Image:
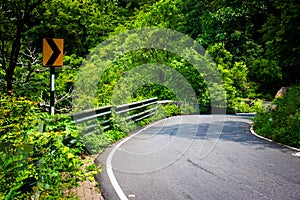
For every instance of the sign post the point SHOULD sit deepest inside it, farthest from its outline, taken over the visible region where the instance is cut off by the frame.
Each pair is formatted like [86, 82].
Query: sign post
[52, 89]
[52, 57]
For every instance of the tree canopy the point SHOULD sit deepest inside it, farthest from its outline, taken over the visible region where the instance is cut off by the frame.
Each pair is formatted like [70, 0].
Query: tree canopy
[250, 50]
[254, 44]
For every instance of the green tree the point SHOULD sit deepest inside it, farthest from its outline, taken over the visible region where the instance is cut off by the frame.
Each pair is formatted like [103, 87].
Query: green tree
[164, 14]
[281, 37]
[15, 21]
[23, 24]
[267, 74]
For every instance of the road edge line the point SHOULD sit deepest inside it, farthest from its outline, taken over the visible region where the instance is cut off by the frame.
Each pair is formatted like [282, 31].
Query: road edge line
[269, 140]
[109, 168]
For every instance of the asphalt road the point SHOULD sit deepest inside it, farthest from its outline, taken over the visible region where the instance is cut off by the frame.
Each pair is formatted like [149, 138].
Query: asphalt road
[199, 157]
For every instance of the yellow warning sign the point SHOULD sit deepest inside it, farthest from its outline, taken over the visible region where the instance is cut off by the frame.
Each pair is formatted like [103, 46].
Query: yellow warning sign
[53, 52]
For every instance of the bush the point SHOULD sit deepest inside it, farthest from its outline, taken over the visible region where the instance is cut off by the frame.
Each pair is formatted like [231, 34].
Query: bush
[172, 110]
[247, 105]
[40, 154]
[187, 109]
[95, 143]
[120, 124]
[115, 135]
[282, 124]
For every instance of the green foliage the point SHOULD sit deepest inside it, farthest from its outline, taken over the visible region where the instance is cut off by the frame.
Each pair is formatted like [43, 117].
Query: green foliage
[159, 114]
[122, 77]
[172, 110]
[281, 38]
[234, 75]
[232, 23]
[115, 135]
[96, 142]
[147, 121]
[64, 83]
[282, 123]
[254, 44]
[261, 34]
[164, 14]
[268, 74]
[40, 154]
[121, 125]
[83, 24]
[187, 109]
[247, 105]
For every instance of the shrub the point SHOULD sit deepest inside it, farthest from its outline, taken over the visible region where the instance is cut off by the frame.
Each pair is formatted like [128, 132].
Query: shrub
[247, 105]
[282, 124]
[115, 135]
[95, 143]
[172, 110]
[40, 154]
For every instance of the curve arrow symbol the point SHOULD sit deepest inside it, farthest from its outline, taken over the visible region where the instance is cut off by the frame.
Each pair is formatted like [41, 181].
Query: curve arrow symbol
[55, 54]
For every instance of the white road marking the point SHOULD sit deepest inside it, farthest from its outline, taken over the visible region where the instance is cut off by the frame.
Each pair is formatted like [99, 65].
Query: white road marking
[131, 196]
[109, 168]
[289, 147]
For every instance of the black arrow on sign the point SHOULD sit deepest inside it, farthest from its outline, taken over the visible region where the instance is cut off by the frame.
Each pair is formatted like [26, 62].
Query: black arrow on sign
[55, 54]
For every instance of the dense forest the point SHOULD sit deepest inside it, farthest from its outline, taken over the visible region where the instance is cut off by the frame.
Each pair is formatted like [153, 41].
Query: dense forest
[253, 44]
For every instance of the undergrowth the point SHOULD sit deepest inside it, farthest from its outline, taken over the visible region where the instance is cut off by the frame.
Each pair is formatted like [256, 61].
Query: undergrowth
[282, 122]
[40, 155]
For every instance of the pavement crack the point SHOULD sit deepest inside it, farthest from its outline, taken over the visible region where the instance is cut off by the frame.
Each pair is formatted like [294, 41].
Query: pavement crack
[199, 167]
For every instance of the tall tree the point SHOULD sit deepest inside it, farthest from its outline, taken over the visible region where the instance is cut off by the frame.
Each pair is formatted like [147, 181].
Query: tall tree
[281, 37]
[15, 20]
[23, 24]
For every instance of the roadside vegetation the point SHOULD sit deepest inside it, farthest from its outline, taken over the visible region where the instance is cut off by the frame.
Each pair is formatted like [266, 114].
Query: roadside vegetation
[40, 155]
[254, 45]
[281, 121]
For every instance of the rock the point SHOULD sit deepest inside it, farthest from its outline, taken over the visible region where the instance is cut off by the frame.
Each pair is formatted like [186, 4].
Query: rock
[282, 92]
[296, 154]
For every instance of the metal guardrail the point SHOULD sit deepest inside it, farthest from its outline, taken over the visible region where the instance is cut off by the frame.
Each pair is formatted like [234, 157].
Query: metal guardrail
[140, 107]
[135, 111]
[88, 117]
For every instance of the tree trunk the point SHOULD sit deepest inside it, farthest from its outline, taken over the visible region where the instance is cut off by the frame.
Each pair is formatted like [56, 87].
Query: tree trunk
[15, 51]
[9, 82]
[12, 64]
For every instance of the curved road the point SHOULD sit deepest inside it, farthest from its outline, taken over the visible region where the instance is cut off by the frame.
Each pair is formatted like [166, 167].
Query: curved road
[199, 157]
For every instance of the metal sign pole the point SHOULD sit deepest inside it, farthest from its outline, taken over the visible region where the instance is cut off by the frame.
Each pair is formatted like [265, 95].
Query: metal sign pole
[52, 89]
[53, 49]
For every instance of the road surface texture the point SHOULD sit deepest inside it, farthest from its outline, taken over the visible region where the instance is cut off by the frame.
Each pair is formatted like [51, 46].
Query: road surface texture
[199, 157]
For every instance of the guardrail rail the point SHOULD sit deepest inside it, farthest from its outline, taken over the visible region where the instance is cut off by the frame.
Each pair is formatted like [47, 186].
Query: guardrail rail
[95, 119]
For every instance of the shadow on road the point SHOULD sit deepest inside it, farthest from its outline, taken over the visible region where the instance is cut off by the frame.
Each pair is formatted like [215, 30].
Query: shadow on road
[235, 128]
